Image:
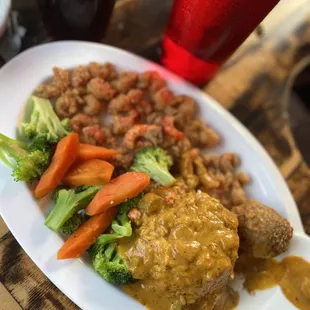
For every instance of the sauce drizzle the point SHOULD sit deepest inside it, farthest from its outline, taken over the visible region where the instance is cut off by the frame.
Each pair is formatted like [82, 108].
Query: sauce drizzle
[292, 274]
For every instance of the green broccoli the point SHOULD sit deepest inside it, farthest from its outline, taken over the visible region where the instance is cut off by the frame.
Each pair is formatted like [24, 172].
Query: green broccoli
[66, 123]
[77, 190]
[81, 188]
[56, 192]
[121, 225]
[27, 162]
[106, 259]
[40, 144]
[112, 267]
[156, 162]
[40, 122]
[67, 204]
[73, 223]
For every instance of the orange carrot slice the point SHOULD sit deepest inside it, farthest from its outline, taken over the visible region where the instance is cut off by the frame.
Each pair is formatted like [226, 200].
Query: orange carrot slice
[65, 154]
[88, 151]
[90, 172]
[126, 186]
[86, 235]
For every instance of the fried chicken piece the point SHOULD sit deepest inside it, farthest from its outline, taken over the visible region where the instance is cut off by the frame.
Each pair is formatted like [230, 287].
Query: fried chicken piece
[47, 91]
[56, 87]
[168, 123]
[107, 71]
[125, 82]
[136, 97]
[100, 89]
[207, 180]
[80, 76]
[80, 121]
[67, 105]
[201, 135]
[237, 194]
[263, 232]
[121, 124]
[110, 140]
[183, 108]
[151, 80]
[187, 170]
[61, 79]
[154, 118]
[92, 105]
[92, 135]
[176, 148]
[186, 105]
[162, 99]
[228, 162]
[123, 160]
[242, 178]
[150, 133]
[119, 104]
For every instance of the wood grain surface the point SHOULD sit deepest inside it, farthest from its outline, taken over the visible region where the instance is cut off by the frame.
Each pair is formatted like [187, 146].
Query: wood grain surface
[251, 87]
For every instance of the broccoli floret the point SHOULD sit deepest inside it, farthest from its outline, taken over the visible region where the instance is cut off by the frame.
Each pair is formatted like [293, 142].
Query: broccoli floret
[77, 190]
[41, 124]
[66, 123]
[121, 225]
[40, 144]
[112, 267]
[156, 162]
[56, 192]
[67, 204]
[101, 243]
[27, 163]
[104, 254]
[73, 223]
[81, 188]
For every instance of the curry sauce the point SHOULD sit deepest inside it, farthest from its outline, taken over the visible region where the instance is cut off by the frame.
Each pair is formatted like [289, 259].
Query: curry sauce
[183, 253]
[292, 274]
[149, 299]
[228, 299]
[184, 249]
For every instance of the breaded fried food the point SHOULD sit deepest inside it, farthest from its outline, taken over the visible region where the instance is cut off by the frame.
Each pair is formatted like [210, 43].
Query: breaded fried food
[263, 232]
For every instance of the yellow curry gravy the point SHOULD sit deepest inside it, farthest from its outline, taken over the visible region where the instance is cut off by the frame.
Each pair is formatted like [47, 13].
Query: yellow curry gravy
[228, 300]
[184, 251]
[183, 254]
[292, 274]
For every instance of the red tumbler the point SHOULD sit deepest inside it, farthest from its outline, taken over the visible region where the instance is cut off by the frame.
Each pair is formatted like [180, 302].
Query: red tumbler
[202, 34]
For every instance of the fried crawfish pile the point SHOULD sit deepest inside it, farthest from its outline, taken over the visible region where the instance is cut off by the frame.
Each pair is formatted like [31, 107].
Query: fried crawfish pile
[128, 111]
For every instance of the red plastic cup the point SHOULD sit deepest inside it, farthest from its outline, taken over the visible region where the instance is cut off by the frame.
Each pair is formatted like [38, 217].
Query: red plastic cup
[202, 34]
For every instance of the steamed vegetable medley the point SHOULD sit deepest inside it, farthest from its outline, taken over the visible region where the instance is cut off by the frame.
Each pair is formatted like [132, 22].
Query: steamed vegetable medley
[91, 206]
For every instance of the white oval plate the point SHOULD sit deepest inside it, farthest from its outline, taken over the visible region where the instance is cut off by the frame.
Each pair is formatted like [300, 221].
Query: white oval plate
[25, 217]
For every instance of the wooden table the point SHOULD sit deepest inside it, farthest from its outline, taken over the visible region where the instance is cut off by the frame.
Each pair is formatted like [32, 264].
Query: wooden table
[251, 86]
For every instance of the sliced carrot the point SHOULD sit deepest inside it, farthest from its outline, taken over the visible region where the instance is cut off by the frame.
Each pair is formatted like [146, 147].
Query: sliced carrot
[89, 172]
[126, 186]
[65, 154]
[88, 151]
[86, 234]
